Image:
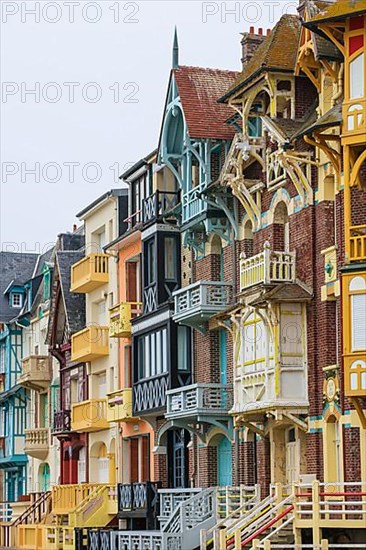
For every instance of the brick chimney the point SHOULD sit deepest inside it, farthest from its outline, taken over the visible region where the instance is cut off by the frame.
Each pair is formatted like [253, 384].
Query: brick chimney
[250, 43]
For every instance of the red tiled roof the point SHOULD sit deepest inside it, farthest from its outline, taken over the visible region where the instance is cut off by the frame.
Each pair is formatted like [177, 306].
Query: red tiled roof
[199, 89]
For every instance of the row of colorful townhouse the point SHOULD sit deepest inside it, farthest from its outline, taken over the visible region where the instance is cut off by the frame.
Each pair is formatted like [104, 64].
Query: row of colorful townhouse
[188, 368]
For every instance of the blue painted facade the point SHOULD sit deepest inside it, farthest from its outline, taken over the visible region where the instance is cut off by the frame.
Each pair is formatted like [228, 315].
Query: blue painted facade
[13, 400]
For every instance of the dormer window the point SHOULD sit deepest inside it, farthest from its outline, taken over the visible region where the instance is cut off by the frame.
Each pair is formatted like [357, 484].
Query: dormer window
[16, 299]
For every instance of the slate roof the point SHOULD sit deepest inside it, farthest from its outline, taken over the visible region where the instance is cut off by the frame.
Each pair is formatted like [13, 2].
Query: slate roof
[277, 52]
[337, 11]
[14, 266]
[74, 302]
[323, 48]
[199, 90]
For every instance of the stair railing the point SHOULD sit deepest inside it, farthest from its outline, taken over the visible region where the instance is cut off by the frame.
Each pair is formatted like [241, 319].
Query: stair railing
[32, 515]
[237, 514]
[258, 525]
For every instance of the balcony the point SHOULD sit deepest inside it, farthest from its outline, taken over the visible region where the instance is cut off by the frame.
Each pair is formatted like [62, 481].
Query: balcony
[121, 317]
[119, 406]
[357, 243]
[37, 442]
[89, 273]
[196, 303]
[139, 500]
[36, 372]
[89, 416]
[267, 268]
[199, 401]
[90, 343]
[354, 117]
[61, 423]
[158, 204]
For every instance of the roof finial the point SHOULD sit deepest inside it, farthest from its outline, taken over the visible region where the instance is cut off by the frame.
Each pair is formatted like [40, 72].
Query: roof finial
[175, 59]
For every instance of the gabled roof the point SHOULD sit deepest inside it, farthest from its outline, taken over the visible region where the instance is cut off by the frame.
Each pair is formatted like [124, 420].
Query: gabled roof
[199, 90]
[73, 304]
[14, 266]
[278, 52]
[339, 10]
[112, 193]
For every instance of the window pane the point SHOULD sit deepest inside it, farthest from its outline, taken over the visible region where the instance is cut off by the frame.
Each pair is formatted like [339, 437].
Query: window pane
[358, 306]
[170, 266]
[159, 358]
[153, 354]
[165, 351]
[183, 348]
[357, 77]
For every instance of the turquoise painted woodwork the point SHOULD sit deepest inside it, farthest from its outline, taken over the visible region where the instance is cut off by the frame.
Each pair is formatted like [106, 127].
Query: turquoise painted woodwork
[223, 357]
[13, 401]
[188, 159]
[224, 463]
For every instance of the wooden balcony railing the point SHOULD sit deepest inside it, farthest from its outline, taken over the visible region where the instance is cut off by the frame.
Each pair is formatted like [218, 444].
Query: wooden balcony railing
[197, 302]
[121, 317]
[267, 268]
[90, 343]
[119, 406]
[37, 442]
[357, 243]
[139, 499]
[61, 422]
[161, 202]
[199, 399]
[89, 273]
[36, 372]
[89, 416]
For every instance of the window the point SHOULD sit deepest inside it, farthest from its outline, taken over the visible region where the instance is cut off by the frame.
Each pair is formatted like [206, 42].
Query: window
[153, 354]
[46, 285]
[184, 348]
[357, 290]
[16, 299]
[170, 263]
[150, 262]
[357, 77]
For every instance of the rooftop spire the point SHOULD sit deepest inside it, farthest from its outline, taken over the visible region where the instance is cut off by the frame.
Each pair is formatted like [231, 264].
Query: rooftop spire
[175, 60]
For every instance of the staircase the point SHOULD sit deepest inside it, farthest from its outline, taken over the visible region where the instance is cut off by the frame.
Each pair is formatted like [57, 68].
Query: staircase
[253, 523]
[73, 506]
[39, 506]
[181, 530]
[184, 514]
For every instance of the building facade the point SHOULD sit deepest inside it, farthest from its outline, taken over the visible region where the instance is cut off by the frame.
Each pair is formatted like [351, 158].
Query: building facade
[207, 325]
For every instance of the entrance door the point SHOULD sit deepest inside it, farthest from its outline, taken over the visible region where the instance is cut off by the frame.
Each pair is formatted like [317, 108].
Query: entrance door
[45, 478]
[292, 458]
[178, 459]
[103, 464]
[224, 463]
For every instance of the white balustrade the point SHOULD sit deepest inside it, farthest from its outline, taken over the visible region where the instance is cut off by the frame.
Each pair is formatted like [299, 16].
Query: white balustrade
[268, 267]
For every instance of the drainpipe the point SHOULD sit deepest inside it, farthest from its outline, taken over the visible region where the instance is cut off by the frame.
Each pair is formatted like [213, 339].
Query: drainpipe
[339, 92]
[236, 454]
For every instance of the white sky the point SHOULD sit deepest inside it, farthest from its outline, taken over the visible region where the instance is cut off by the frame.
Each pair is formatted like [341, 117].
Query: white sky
[134, 52]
